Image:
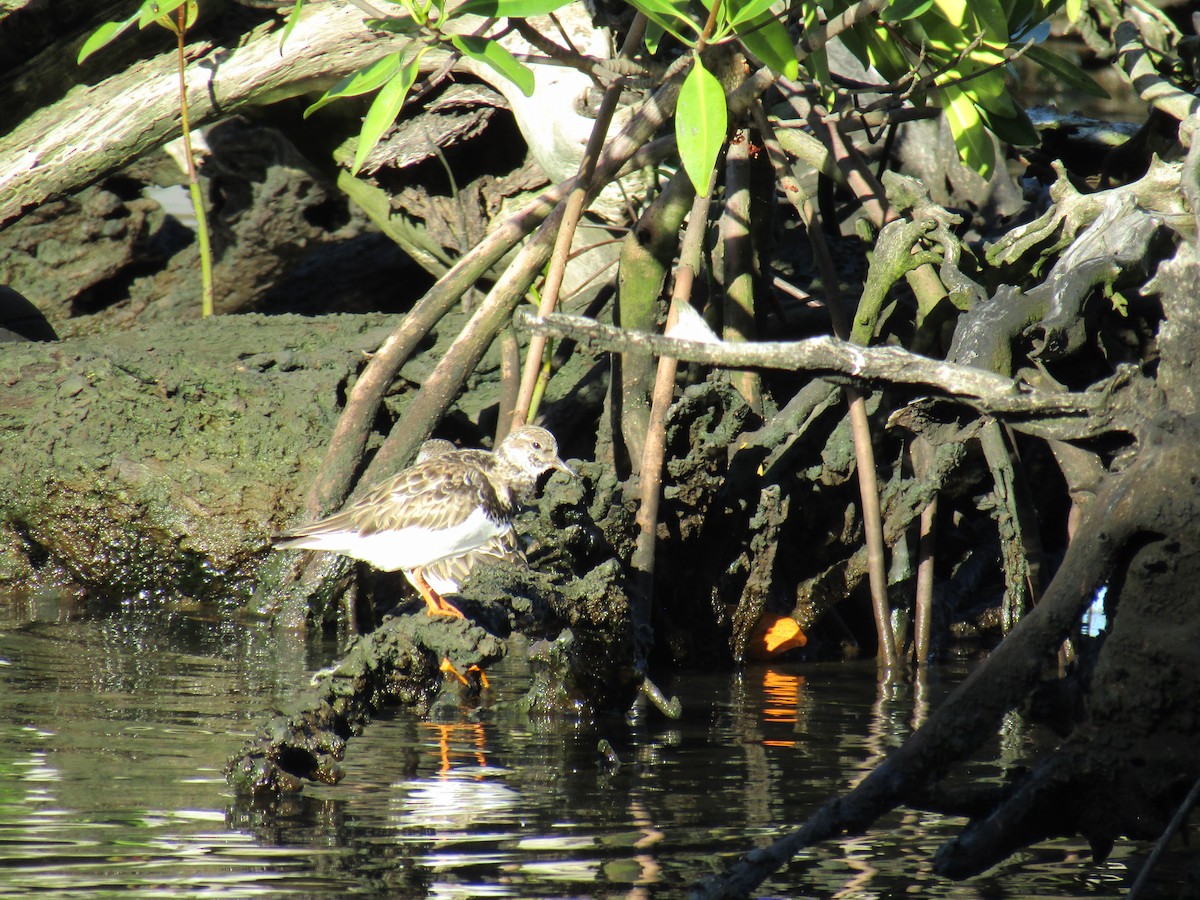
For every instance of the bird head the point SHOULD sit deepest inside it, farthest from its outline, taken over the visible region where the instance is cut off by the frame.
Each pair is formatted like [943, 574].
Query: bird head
[533, 450]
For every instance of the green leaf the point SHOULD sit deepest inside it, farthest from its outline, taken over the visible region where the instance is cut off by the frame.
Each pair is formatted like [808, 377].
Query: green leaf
[744, 10]
[817, 62]
[899, 10]
[974, 144]
[981, 83]
[513, 9]
[654, 36]
[103, 36]
[1074, 8]
[670, 15]
[152, 11]
[768, 39]
[490, 53]
[399, 25]
[384, 109]
[955, 11]
[1015, 129]
[1072, 75]
[1001, 104]
[701, 120]
[990, 15]
[363, 81]
[292, 19]
[882, 53]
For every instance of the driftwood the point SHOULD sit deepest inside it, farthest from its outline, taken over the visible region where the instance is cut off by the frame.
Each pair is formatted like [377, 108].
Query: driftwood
[1065, 416]
[96, 129]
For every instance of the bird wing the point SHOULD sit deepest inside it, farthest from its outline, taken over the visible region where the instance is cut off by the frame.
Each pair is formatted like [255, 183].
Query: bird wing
[438, 494]
[447, 575]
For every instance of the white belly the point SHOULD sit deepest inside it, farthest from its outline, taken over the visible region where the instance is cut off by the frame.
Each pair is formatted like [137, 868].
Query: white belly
[406, 548]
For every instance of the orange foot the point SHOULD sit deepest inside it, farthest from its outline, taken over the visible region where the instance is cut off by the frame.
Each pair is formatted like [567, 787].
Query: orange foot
[448, 668]
[435, 603]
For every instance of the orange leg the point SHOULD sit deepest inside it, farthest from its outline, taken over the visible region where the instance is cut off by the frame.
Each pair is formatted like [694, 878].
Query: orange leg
[448, 668]
[435, 604]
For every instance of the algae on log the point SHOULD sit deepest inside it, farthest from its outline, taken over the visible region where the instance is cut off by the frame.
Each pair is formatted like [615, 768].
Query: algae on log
[570, 608]
[396, 663]
[162, 460]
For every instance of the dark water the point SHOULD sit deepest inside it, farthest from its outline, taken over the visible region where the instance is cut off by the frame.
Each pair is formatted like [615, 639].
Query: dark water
[114, 728]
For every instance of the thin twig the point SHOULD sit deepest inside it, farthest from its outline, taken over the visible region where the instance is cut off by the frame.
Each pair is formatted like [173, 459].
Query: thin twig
[203, 243]
[923, 606]
[860, 426]
[650, 476]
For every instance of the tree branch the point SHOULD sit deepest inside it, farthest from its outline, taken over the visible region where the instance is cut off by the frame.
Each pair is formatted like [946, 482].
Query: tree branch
[1066, 416]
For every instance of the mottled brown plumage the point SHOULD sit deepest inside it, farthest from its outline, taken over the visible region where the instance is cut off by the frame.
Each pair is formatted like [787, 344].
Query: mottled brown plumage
[435, 515]
[447, 575]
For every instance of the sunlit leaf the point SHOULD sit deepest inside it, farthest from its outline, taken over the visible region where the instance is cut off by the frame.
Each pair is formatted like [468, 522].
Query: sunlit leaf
[514, 9]
[899, 10]
[955, 11]
[363, 81]
[973, 141]
[768, 39]
[990, 15]
[103, 36]
[817, 62]
[384, 109]
[882, 53]
[670, 15]
[980, 83]
[491, 54]
[1073, 9]
[740, 11]
[1001, 104]
[1072, 75]
[156, 11]
[701, 120]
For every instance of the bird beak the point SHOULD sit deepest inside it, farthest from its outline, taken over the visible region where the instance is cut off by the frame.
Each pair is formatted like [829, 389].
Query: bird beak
[563, 467]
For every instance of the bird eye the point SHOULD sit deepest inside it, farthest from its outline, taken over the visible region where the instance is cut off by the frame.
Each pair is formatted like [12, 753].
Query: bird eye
[537, 445]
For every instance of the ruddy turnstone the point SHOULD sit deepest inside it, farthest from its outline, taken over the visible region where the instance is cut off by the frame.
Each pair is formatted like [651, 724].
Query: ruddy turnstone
[447, 575]
[437, 518]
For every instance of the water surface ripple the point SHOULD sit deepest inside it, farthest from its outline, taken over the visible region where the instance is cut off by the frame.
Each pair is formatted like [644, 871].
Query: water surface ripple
[116, 725]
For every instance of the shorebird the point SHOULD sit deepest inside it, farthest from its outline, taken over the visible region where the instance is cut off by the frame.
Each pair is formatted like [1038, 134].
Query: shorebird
[447, 575]
[440, 516]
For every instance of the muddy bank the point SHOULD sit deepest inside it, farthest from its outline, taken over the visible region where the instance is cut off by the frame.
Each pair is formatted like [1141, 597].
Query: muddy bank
[159, 461]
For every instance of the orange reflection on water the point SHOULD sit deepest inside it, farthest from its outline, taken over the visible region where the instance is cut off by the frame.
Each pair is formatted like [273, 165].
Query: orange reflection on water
[471, 733]
[782, 692]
